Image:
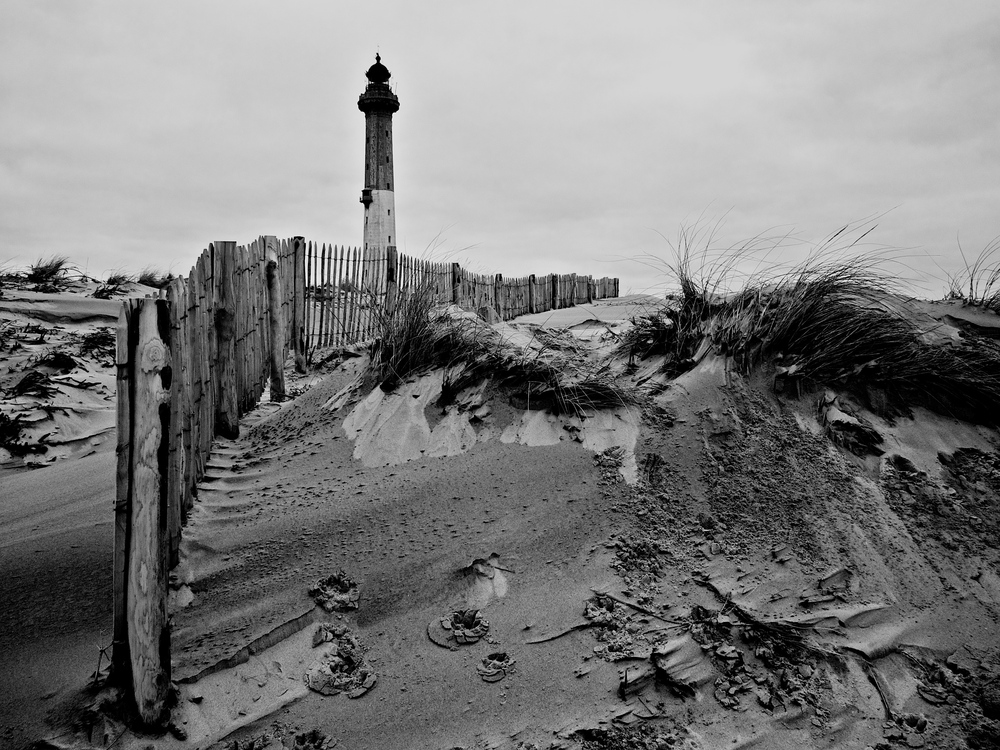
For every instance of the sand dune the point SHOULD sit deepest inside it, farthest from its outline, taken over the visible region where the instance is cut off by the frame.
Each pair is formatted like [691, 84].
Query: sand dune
[708, 569]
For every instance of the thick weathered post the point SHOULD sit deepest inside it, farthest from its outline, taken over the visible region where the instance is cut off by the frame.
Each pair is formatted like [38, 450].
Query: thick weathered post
[298, 303]
[276, 325]
[555, 292]
[531, 294]
[227, 420]
[498, 296]
[391, 283]
[146, 591]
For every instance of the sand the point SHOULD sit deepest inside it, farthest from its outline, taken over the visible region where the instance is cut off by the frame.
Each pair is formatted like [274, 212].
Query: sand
[56, 516]
[718, 506]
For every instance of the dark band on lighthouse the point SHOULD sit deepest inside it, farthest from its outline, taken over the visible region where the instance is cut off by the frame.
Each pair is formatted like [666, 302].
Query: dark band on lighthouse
[379, 104]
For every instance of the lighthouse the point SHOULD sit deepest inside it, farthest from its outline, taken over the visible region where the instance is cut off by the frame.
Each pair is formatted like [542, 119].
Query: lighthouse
[378, 103]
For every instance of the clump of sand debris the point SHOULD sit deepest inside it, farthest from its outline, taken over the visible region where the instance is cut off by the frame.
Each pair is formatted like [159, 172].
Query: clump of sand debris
[342, 667]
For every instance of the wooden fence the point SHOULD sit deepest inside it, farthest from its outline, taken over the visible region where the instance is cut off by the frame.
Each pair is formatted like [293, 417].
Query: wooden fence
[194, 360]
[190, 364]
[346, 291]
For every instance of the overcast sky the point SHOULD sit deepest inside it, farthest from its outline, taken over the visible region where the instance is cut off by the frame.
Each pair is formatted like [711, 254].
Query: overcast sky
[531, 137]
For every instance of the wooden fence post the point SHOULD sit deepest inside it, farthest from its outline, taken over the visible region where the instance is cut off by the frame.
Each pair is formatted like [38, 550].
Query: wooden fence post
[121, 670]
[456, 283]
[179, 406]
[555, 292]
[531, 294]
[146, 495]
[498, 297]
[227, 420]
[298, 303]
[391, 283]
[276, 325]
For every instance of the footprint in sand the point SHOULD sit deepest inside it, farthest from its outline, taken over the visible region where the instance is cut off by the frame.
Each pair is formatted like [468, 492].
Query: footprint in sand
[461, 627]
[495, 667]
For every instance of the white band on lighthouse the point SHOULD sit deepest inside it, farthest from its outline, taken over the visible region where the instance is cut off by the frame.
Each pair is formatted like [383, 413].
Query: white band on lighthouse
[380, 221]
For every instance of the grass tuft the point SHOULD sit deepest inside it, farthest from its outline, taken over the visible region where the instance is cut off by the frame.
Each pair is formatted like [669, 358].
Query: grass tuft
[119, 278]
[408, 340]
[419, 334]
[114, 284]
[835, 319]
[49, 273]
[101, 343]
[838, 324]
[156, 279]
[979, 282]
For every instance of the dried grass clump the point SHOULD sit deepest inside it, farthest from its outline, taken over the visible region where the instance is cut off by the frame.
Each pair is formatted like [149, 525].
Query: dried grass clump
[834, 319]
[674, 332]
[10, 437]
[835, 324]
[650, 335]
[407, 339]
[100, 342]
[823, 314]
[156, 279]
[49, 274]
[119, 278]
[705, 277]
[979, 282]
[418, 334]
[114, 284]
[7, 277]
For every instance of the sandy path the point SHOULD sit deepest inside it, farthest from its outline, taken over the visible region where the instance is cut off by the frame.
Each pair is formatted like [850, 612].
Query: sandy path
[404, 533]
[288, 504]
[56, 542]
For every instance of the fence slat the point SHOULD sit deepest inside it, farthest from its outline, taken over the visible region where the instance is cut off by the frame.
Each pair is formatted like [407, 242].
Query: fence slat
[276, 324]
[298, 279]
[227, 422]
[355, 258]
[120, 661]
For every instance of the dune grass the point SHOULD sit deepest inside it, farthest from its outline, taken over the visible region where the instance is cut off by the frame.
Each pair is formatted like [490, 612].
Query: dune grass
[151, 277]
[118, 277]
[418, 334]
[407, 340]
[835, 319]
[836, 324]
[114, 284]
[49, 273]
[100, 342]
[978, 283]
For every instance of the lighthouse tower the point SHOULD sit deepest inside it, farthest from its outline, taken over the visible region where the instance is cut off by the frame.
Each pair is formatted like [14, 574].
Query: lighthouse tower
[378, 103]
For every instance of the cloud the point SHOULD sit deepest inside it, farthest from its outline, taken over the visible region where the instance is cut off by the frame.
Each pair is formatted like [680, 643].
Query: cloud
[544, 136]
